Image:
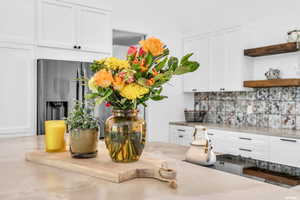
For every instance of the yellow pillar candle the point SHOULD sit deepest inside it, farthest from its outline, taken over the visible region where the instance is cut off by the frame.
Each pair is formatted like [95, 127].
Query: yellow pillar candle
[55, 135]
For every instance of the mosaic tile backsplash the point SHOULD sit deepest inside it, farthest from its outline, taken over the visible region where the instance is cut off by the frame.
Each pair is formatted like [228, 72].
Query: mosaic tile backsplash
[264, 107]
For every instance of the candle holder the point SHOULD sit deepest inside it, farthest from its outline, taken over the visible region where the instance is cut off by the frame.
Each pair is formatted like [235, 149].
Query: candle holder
[55, 136]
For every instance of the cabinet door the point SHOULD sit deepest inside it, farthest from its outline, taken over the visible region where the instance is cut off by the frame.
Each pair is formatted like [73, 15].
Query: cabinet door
[285, 151]
[56, 24]
[17, 83]
[218, 57]
[233, 72]
[94, 30]
[172, 134]
[197, 81]
[17, 19]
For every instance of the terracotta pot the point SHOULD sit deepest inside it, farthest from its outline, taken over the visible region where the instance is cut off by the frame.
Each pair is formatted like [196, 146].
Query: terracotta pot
[84, 143]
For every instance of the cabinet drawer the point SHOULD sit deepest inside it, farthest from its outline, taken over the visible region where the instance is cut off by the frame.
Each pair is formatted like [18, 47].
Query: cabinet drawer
[285, 151]
[252, 152]
[182, 135]
[258, 143]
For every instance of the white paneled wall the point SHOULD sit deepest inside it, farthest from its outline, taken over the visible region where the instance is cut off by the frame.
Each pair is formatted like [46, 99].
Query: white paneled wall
[18, 89]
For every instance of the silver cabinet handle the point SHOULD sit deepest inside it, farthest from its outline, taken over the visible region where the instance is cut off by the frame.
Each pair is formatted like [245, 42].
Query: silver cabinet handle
[242, 149]
[210, 134]
[245, 138]
[182, 130]
[194, 90]
[181, 136]
[288, 140]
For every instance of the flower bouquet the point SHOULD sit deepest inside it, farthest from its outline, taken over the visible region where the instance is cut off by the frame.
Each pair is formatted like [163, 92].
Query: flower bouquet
[125, 84]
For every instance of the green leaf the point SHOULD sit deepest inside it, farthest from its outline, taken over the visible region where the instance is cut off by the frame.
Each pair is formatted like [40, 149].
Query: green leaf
[142, 81]
[149, 59]
[96, 66]
[138, 75]
[91, 96]
[173, 63]
[100, 100]
[188, 66]
[162, 78]
[158, 98]
[185, 58]
[161, 64]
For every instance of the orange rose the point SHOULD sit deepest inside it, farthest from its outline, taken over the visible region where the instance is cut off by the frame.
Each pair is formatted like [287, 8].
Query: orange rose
[118, 83]
[150, 82]
[152, 45]
[155, 73]
[103, 78]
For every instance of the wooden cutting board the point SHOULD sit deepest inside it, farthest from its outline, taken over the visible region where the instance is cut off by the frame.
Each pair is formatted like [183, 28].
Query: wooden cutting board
[100, 167]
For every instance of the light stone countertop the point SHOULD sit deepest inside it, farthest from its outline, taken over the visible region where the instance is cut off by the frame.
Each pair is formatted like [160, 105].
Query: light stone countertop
[28, 181]
[287, 133]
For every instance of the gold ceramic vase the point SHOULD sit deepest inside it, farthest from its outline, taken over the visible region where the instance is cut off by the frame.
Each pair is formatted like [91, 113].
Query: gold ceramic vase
[84, 143]
[125, 135]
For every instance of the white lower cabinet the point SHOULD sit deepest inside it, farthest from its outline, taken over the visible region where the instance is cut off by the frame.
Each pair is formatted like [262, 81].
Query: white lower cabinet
[261, 147]
[285, 151]
[220, 140]
[251, 145]
[243, 144]
[181, 135]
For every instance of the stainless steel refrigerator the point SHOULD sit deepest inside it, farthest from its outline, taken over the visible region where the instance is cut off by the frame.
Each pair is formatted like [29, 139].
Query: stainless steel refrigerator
[58, 87]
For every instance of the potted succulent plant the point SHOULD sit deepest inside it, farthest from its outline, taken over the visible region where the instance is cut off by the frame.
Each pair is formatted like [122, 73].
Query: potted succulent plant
[83, 130]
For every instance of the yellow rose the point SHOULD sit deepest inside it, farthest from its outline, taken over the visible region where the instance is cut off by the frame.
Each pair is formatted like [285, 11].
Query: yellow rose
[92, 85]
[115, 63]
[103, 78]
[133, 91]
[152, 45]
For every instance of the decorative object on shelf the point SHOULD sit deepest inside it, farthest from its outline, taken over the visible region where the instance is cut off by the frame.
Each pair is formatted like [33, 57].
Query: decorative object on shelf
[55, 135]
[272, 74]
[293, 36]
[83, 130]
[200, 151]
[125, 84]
[194, 115]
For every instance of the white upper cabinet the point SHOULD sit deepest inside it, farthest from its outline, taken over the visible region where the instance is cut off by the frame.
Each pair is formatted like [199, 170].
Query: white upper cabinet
[197, 81]
[218, 57]
[70, 26]
[56, 26]
[17, 21]
[94, 30]
[223, 66]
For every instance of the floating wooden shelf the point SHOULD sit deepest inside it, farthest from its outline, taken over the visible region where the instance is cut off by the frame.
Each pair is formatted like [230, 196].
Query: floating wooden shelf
[272, 83]
[272, 50]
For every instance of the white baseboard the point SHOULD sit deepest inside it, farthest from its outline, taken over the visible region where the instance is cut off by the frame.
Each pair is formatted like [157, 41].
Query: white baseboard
[11, 135]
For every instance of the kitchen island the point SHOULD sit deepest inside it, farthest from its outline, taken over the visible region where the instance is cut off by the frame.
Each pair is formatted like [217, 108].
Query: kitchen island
[28, 181]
